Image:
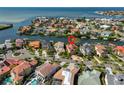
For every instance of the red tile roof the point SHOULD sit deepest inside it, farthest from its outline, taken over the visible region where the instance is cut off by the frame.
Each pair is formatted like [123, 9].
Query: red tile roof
[4, 70]
[19, 70]
[120, 49]
[46, 68]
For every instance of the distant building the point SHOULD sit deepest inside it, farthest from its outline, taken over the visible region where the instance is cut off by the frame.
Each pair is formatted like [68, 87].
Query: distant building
[25, 29]
[105, 27]
[106, 33]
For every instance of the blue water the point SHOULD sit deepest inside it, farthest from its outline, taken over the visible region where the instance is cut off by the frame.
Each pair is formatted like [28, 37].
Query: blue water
[22, 16]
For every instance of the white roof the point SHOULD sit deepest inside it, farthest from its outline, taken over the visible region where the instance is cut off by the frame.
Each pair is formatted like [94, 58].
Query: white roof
[67, 79]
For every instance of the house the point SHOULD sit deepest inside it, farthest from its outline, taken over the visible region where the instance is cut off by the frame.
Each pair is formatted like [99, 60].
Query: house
[35, 44]
[2, 46]
[44, 54]
[19, 43]
[66, 76]
[113, 79]
[119, 50]
[89, 78]
[25, 29]
[100, 50]
[12, 63]
[115, 28]
[24, 69]
[105, 27]
[106, 33]
[44, 44]
[47, 70]
[84, 30]
[76, 58]
[74, 30]
[86, 49]
[7, 65]
[8, 44]
[4, 70]
[71, 48]
[37, 22]
[59, 47]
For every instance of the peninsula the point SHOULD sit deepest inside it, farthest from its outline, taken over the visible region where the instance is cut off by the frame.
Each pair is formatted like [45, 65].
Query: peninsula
[5, 26]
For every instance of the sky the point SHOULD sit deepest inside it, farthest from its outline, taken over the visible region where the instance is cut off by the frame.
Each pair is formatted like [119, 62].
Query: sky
[58, 3]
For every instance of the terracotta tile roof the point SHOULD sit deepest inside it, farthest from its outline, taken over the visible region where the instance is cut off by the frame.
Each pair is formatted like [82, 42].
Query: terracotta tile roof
[19, 70]
[46, 69]
[10, 62]
[120, 49]
[4, 70]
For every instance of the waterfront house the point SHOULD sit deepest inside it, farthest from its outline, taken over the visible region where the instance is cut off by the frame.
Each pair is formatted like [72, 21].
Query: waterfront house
[59, 47]
[119, 50]
[19, 43]
[24, 69]
[100, 50]
[71, 48]
[35, 44]
[46, 71]
[25, 29]
[66, 76]
[37, 22]
[87, 49]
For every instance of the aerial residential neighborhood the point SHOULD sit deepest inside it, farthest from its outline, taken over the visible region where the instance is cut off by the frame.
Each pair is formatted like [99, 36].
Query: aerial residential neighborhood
[63, 51]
